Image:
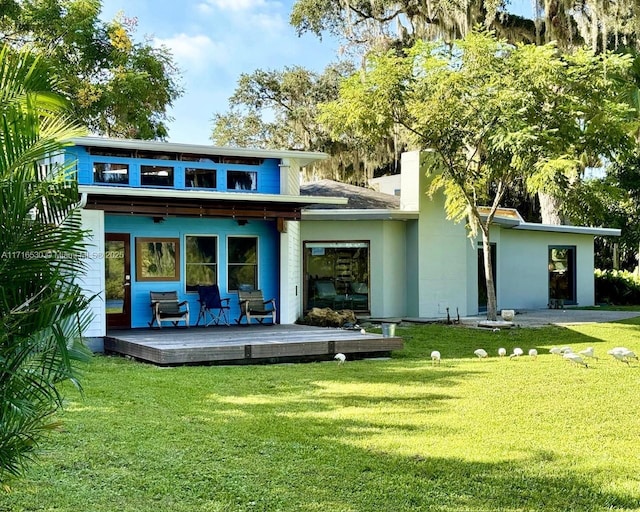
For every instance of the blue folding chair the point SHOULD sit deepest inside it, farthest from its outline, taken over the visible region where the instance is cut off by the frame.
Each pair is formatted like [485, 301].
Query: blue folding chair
[212, 307]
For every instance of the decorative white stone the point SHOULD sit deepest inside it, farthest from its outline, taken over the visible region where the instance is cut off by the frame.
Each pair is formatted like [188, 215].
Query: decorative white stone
[508, 314]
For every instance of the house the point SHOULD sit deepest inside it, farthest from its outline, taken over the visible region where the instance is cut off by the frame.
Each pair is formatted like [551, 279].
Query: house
[169, 217]
[417, 263]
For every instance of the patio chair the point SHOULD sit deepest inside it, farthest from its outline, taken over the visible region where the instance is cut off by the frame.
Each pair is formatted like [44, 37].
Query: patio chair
[165, 307]
[326, 296]
[253, 305]
[360, 295]
[212, 306]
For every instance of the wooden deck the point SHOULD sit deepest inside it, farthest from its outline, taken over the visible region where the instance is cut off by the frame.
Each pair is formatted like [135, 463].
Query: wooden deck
[246, 344]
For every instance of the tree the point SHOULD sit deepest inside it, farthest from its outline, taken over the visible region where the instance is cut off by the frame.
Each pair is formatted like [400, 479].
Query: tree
[41, 308]
[493, 113]
[278, 109]
[120, 87]
[367, 26]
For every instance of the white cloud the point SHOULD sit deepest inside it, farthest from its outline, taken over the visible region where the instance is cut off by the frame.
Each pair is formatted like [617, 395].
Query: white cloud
[194, 52]
[271, 23]
[234, 5]
[204, 8]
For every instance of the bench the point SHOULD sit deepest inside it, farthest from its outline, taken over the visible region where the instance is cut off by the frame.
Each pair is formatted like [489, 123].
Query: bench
[253, 305]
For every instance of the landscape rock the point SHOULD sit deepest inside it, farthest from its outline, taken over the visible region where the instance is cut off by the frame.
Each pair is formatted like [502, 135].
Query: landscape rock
[327, 317]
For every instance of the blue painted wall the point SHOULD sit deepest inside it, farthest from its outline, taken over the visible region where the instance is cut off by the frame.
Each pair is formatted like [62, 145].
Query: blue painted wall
[268, 172]
[137, 226]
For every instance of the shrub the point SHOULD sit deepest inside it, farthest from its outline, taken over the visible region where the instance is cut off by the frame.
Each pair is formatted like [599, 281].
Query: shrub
[619, 287]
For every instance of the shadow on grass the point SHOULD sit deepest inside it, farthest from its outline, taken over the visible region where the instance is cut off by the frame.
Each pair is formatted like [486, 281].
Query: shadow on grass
[313, 464]
[359, 437]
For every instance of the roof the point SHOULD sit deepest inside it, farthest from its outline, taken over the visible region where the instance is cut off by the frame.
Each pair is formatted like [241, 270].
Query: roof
[367, 204]
[511, 218]
[358, 198]
[303, 158]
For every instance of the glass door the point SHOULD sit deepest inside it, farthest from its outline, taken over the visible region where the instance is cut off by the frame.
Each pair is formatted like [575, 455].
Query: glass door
[562, 276]
[117, 267]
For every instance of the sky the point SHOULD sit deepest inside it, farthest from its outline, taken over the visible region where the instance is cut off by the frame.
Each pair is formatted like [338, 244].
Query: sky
[214, 41]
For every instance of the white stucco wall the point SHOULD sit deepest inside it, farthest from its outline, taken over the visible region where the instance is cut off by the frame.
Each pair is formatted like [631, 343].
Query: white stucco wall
[92, 281]
[387, 184]
[442, 247]
[523, 273]
[443, 269]
[386, 252]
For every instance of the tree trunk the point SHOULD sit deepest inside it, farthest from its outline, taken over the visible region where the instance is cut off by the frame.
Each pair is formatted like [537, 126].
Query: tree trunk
[492, 304]
[550, 209]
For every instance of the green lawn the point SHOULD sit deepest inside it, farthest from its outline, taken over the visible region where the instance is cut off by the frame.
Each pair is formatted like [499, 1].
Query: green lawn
[386, 435]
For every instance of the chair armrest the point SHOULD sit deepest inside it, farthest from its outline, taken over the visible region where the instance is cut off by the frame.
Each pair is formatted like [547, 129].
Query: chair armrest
[225, 300]
[184, 303]
[270, 301]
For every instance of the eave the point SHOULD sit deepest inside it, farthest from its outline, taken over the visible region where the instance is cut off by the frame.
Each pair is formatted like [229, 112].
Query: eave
[359, 214]
[302, 158]
[510, 218]
[576, 230]
[170, 203]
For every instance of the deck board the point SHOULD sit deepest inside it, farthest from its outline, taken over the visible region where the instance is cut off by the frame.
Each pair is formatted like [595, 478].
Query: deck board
[245, 344]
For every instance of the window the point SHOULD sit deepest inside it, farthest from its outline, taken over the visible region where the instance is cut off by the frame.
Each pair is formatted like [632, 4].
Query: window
[156, 176]
[562, 275]
[201, 261]
[122, 153]
[337, 275]
[242, 255]
[242, 180]
[200, 178]
[189, 157]
[115, 174]
[157, 259]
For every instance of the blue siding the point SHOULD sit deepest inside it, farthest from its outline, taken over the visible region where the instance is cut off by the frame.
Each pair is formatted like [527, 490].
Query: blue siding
[268, 173]
[268, 258]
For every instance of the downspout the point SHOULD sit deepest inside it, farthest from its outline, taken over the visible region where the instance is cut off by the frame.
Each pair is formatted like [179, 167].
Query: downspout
[83, 200]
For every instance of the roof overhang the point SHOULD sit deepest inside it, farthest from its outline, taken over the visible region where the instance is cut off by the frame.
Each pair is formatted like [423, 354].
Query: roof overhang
[506, 217]
[197, 203]
[510, 218]
[576, 230]
[302, 158]
[362, 214]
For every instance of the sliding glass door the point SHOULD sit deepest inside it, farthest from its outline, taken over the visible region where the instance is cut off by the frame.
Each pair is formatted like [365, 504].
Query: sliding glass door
[337, 275]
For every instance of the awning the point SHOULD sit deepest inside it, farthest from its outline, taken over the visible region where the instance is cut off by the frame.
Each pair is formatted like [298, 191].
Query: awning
[171, 203]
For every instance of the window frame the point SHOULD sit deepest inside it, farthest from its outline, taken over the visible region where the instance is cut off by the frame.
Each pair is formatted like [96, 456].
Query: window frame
[140, 250]
[240, 171]
[229, 264]
[200, 169]
[107, 165]
[155, 166]
[336, 245]
[186, 261]
[572, 266]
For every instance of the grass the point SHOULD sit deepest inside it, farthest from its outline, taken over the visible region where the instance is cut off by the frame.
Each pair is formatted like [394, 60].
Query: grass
[393, 435]
[609, 307]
